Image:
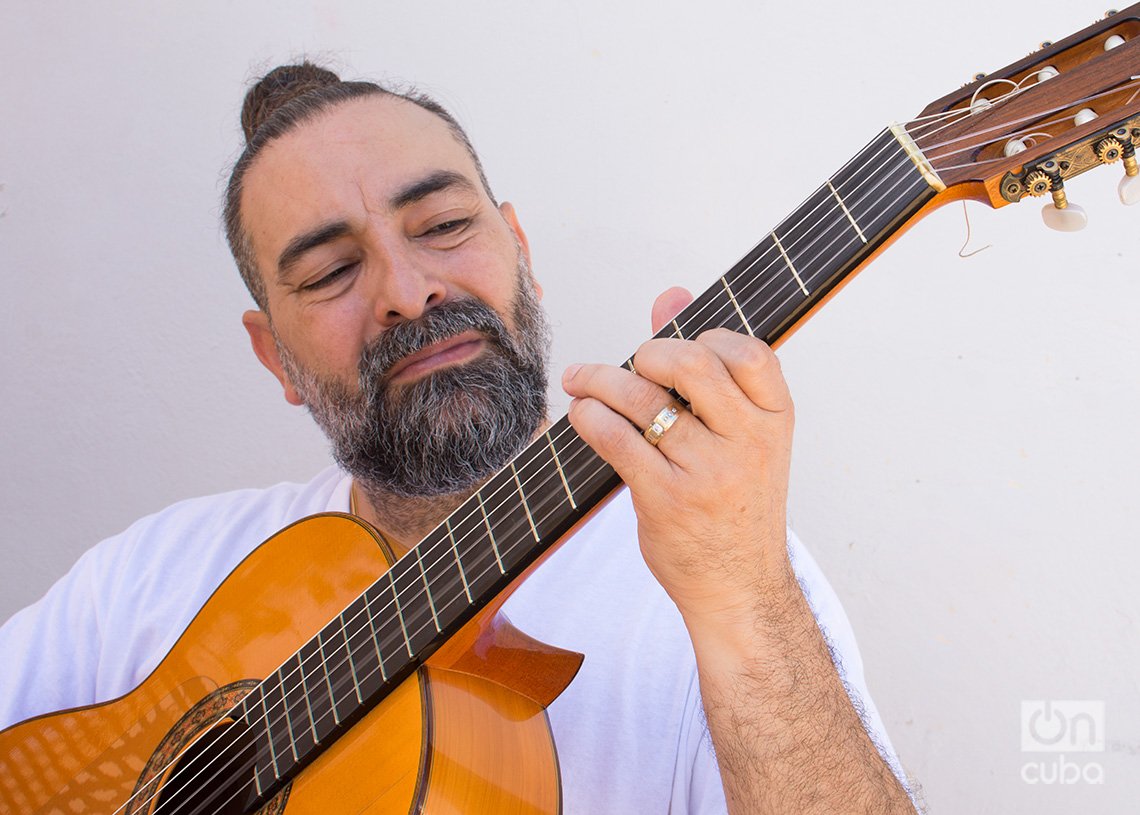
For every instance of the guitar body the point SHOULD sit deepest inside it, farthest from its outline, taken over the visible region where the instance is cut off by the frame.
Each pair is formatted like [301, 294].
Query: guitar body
[465, 734]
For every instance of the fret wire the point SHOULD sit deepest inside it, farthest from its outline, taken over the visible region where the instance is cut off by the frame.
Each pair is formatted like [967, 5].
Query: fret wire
[400, 616]
[375, 634]
[269, 736]
[525, 506]
[490, 533]
[348, 654]
[328, 678]
[308, 705]
[846, 212]
[427, 588]
[561, 472]
[455, 554]
[288, 716]
[791, 268]
[736, 306]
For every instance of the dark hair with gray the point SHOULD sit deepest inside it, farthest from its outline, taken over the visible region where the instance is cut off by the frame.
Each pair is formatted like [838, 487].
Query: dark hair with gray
[283, 99]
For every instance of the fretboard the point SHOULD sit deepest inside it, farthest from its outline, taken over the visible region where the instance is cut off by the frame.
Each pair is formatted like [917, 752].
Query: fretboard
[428, 594]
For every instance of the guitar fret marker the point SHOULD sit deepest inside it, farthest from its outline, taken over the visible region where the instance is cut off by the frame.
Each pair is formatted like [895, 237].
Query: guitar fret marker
[375, 635]
[558, 464]
[736, 306]
[526, 507]
[400, 615]
[455, 553]
[847, 212]
[490, 534]
[427, 590]
[328, 679]
[791, 268]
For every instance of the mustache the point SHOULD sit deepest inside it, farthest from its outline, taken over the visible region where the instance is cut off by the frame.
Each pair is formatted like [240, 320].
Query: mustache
[440, 323]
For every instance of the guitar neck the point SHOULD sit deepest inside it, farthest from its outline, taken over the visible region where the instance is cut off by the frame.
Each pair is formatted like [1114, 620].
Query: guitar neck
[550, 486]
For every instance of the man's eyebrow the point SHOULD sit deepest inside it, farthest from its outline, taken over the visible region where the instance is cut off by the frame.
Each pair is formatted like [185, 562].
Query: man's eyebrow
[418, 190]
[309, 240]
[325, 233]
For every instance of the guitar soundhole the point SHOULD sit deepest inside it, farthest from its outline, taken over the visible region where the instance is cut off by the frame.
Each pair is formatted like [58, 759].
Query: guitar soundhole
[204, 765]
[214, 776]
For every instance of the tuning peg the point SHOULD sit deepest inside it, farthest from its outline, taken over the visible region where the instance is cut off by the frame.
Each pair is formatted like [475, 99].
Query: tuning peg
[1070, 218]
[1115, 41]
[1013, 147]
[1084, 116]
[1062, 215]
[1129, 190]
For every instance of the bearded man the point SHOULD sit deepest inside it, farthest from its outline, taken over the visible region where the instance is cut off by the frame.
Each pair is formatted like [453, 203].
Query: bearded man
[396, 302]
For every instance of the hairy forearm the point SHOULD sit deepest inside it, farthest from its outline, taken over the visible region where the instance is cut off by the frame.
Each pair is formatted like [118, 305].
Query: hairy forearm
[787, 737]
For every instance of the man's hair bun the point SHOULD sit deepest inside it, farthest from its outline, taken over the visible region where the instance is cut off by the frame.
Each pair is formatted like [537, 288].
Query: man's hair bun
[277, 88]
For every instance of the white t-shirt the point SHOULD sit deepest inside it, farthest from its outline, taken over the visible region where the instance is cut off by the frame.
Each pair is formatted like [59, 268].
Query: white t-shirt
[629, 730]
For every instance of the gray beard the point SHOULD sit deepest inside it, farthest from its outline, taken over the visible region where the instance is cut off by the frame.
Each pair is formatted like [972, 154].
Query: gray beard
[443, 434]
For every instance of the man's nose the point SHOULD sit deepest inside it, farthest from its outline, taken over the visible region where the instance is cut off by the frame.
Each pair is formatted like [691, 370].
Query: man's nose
[406, 289]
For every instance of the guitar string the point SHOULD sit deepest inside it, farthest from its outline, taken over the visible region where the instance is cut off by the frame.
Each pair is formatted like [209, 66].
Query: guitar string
[1005, 125]
[453, 583]
[960, 114]
[1024, 133]
[519, 526]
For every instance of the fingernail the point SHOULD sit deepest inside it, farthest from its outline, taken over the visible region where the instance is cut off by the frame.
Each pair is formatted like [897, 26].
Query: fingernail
[571, 372]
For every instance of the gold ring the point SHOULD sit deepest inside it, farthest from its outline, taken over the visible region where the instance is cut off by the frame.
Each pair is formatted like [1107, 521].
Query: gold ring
[662, 422]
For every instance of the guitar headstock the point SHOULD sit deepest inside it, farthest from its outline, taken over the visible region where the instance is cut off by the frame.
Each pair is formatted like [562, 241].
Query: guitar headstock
[1026, 129]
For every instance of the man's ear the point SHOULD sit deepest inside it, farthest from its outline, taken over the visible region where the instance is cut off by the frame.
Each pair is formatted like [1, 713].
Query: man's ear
[265, 346]
[511, 217]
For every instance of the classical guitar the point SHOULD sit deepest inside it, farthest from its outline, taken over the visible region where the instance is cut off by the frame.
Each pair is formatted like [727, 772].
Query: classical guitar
[370, 684]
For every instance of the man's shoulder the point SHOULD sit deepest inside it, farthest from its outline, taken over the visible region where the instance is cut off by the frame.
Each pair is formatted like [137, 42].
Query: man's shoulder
[271, 507]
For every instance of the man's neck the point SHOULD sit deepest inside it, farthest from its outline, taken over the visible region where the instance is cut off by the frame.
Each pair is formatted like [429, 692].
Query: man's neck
[402, 521]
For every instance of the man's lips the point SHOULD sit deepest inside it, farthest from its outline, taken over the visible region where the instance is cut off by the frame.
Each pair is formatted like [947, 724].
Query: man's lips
[450, 351]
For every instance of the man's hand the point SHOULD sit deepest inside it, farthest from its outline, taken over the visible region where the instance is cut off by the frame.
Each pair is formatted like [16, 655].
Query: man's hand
[711, 496]
[711, 502]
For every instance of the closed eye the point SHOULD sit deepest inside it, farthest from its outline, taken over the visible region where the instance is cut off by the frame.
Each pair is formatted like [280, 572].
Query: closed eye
[448, 227]
[330, 278]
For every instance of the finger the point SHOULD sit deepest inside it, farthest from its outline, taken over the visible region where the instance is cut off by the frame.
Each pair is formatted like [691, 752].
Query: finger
[754, 367]
[695, 372]
[668, 305]
[636, 402]
[718, 373]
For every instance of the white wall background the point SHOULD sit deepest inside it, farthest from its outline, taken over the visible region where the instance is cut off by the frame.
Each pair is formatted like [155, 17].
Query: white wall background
[966, 466]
